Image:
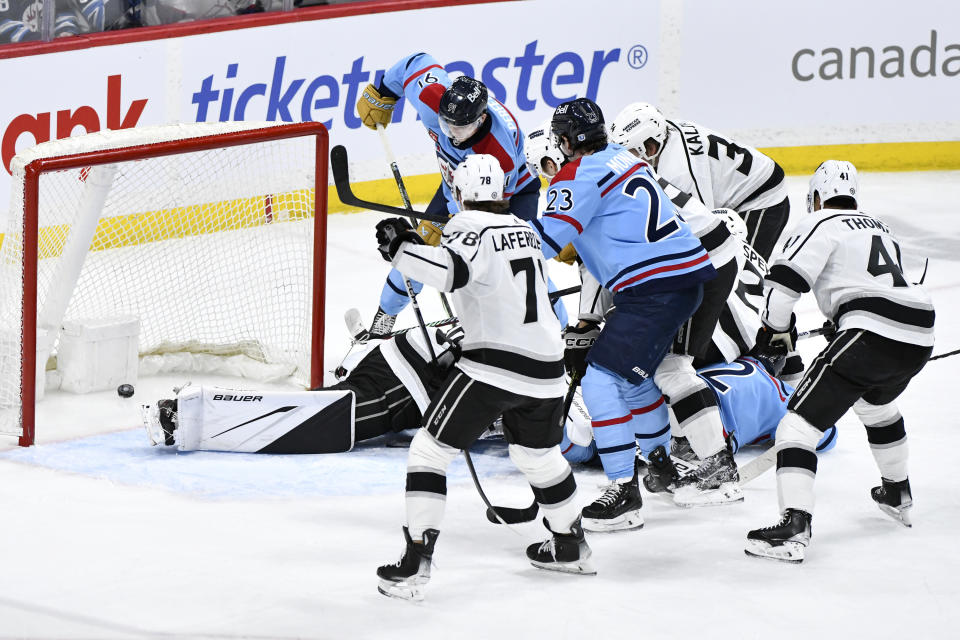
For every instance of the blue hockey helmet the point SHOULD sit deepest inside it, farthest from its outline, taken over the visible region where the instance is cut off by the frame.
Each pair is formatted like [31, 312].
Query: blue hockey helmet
[580, 121]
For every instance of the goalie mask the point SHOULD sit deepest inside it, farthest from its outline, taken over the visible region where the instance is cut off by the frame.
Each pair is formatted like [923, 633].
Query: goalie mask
[833, 179]
[637, 123]
[540, 146]
[478, 178]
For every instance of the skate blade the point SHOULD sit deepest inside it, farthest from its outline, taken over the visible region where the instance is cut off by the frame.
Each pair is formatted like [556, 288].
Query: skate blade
[401, 590]
[901, 515]
[584, 566]
[789, 552]
[629, 520]
[690, 496]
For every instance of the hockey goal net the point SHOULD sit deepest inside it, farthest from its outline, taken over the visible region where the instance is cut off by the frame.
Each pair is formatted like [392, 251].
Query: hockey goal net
[211, 235]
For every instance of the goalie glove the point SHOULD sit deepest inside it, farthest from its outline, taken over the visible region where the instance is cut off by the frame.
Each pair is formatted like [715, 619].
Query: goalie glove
[391, 233]
[578, 341]
[375, 107]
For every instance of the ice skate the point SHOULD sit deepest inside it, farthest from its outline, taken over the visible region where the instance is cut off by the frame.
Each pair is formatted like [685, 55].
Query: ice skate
[680, 448]
[160, 422]
[894, 499]
[714, 482]
[405, 578]
[566, 552]
[662, 475]
[785, 541]
[617, 508]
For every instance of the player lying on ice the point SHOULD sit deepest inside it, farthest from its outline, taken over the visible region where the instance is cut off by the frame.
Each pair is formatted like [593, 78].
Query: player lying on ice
[386, 391]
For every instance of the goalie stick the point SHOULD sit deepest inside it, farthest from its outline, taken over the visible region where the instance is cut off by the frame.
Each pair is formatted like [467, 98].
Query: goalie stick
[341, 180]
[360, 335]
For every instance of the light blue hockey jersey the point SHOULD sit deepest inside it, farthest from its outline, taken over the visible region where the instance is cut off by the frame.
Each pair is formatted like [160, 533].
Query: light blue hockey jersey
[752, 402]
[624, 228]
[422, 81]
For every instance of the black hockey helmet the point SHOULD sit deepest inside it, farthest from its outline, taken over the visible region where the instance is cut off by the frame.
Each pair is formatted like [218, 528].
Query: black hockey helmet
[463, 102]
[580, 121]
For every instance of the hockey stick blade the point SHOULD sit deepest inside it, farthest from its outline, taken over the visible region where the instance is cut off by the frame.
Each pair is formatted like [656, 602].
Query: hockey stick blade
[341, 180]
[758, 466]
[512, 515]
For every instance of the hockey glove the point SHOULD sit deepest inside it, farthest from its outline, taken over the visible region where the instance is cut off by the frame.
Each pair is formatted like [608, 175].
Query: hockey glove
[829, 330]
[773, 345]
[430, 232]
[567, 255]
[391, 233]
[578, 341]
[375, 107]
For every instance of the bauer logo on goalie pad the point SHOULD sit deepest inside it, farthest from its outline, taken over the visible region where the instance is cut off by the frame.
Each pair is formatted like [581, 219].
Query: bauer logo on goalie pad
[232, 398]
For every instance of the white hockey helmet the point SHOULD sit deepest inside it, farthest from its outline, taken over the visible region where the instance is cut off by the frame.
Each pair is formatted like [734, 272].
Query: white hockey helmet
[478, 178]
[637, 123]
[542, 145]
[735, 224]
[833, 178]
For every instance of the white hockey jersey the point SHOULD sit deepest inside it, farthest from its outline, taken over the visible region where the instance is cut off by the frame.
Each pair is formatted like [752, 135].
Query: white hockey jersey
[493, 265]
[407, 356]
[709, 228]
[853, 264]
[736, 330]
[718, 171]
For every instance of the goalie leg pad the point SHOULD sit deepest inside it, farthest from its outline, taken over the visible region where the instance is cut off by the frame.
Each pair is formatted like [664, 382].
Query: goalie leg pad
[219, 419]
[552, 481]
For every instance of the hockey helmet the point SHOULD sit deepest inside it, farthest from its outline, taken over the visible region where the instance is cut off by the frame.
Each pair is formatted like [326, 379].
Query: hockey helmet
[479, 178]
[580, 121]
[541, 145]
[637, 123]
[461, 108]
[833, 179]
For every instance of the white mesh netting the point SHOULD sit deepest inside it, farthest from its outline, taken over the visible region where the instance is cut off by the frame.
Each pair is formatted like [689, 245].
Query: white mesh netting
[211, 250]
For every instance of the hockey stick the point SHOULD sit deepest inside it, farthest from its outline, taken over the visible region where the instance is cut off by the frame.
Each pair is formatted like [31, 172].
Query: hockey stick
[360, 335]
[341, 180]
[512, 515]
[405, 196]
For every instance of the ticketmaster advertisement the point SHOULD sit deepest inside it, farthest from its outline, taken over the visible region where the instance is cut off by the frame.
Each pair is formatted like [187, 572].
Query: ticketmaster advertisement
[529, 58]
[774, 74]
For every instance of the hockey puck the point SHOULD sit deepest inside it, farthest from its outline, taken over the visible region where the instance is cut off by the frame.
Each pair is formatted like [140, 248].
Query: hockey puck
[125, 390]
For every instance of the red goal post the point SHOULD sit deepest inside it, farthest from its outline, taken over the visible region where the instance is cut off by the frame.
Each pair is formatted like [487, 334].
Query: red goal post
[136, 221]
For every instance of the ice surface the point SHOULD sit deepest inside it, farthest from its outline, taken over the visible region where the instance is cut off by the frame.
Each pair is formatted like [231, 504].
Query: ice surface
[102, 536]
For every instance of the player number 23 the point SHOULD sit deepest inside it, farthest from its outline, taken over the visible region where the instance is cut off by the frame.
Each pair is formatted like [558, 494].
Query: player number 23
[565, 198]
